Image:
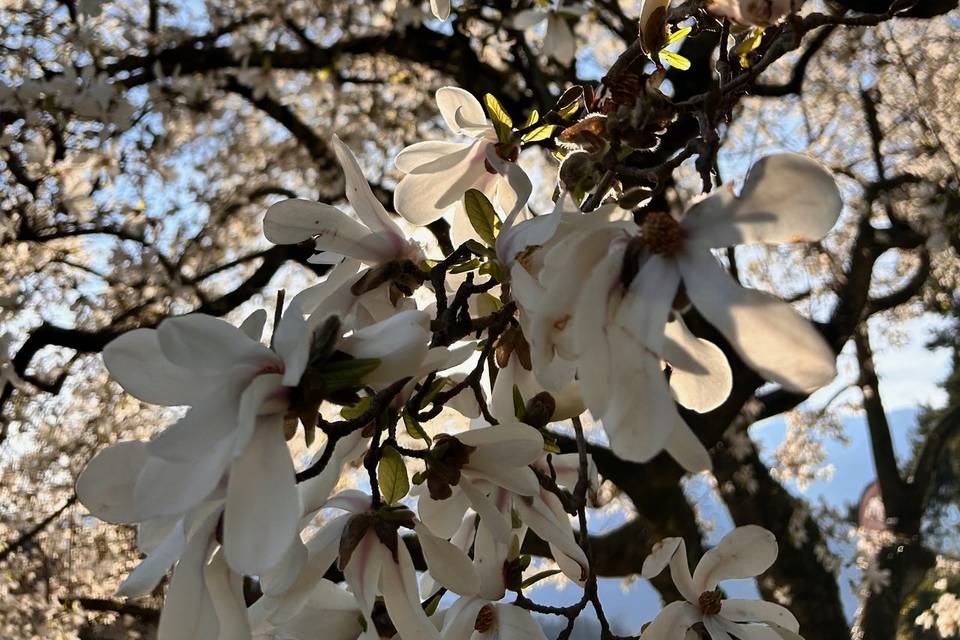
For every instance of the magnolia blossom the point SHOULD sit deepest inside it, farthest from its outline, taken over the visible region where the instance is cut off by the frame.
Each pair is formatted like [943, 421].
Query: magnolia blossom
[473, 618]
[437, 173]
[328, 607]
[559, 42]
[745, 552]
[374, 559]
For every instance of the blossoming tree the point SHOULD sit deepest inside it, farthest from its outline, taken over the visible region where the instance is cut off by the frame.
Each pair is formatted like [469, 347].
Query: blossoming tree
[399, 299]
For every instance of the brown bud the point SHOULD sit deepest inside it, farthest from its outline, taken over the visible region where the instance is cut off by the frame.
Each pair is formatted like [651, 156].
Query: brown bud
[539, 410]
[353, 533]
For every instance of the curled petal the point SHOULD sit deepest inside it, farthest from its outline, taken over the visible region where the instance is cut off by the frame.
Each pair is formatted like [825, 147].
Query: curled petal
[705, 385]
[672, 622]
[456, 103]
[745, 552]
[738, 610]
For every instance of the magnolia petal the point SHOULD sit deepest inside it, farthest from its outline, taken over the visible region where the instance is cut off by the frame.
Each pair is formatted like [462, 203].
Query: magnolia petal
[519, 480]
[461, 618]
[259, 398]
[738, 610]
[685, 447]
[453, 102]
[106, 485]
[252, 326]
[514, 623]
[672, 621]
[442, 516]
[399, 342]
[195, 434]
[362, 573]
[787, 197]
[226, 594]
[151, 570]
[424, 153]
[136, 361]
[447, 564]
[188, 612]
[402, 598]
[591, 333]
[559, 42]
[263, 506]
[647, 303]
[210, 345]
[772, 338]
[513, 186]
[716, 628]
[360, 196]
[489, 555]
[440, 9]
[172, 487]
[426, 194]
[495, 520]
[745, 552]
[508, 444]
[282, 576]
[545, 517]
[708, 386]
[748, 631]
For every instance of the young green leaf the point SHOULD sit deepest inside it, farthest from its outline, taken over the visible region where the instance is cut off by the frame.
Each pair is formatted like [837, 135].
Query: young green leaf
[675, 60]
[537, 577]
[502, 122]
[531, 119]
[345, 374]
[392, 476]
[540, 133]
[414, 428]
[357, 410]
[481, 215]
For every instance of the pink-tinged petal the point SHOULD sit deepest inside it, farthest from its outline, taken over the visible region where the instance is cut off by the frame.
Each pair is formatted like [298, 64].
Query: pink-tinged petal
[786, 198]
[442, 516]
[169, 487]
[424, 153]
[493, 518]
[226, 593]
[402, 598]
[426, 194]
[137, 363]
[147, 575]
[210, 345]
[771, 338]
[461, 618]
[716, 628]
[364, 570]
[508, 444]
[672, 552]
[685, 447]
[448, 565]
[559, 42]
[188, 612]
[707, 384]
[527, 18]
[738, 610]
[261, 517]
[440, 9]
[672, 622]
[545, 516]
[105, 487]
[252, 326]
[366, 205]
[514, 623]
[745, 552]
[454, 101]
[647, 303]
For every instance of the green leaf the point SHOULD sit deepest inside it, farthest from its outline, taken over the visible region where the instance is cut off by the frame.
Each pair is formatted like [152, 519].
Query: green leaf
[430, 607]
[481, 215]
[749, 44]
[515, 521]
[357, 410]
[550, 444]
[540, 133]
[493, 269]
[414, 428]
[675, 60]
[434, 389]
[531, 119]
[537, 577]
[392, 475]
[502, 121]
[519, 406]
[479, 249]
[346, 374]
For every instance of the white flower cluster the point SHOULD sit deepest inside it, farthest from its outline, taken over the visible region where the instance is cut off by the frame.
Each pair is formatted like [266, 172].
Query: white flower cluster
[580, 310]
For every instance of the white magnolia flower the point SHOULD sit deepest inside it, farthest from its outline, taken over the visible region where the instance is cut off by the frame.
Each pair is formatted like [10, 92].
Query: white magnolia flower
[439, 173]
[375, 240]
[559, 42]
[328, 607]
[440, 9]
[475, 463]
[745, 552]
[473, 618]
[374, 559]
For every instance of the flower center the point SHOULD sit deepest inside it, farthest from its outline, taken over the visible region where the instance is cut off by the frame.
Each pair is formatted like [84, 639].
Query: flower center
[662, 234]
[710, 603]
[485, 619]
